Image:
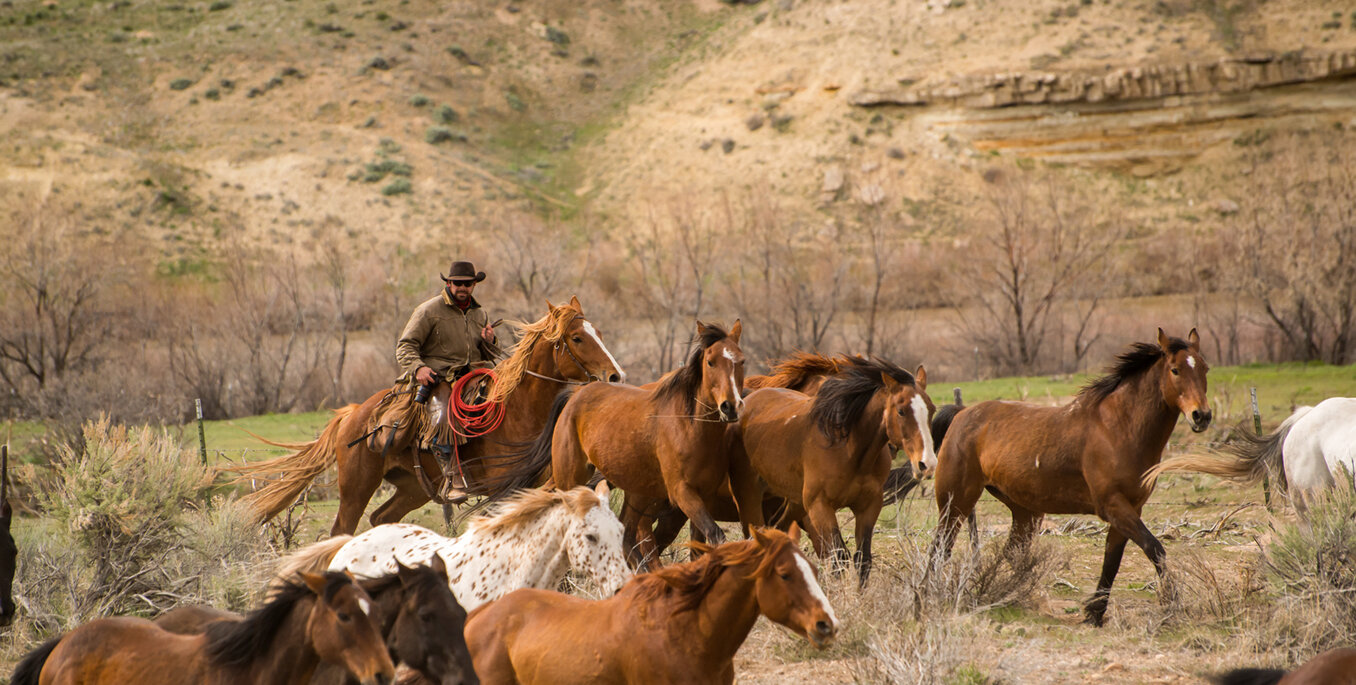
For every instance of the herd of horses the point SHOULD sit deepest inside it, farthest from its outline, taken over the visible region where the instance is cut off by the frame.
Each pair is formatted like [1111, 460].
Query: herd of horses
[778, 453]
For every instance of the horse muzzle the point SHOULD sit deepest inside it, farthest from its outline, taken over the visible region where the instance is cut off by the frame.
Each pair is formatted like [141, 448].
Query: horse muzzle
[729, 413]
[821, 634]
[1200, 420]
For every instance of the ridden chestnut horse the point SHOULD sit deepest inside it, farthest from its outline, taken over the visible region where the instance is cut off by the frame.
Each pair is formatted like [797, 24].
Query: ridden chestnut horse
[681, 624]
[561, 349]
[1333, 667]
[664, 441]
[827, 452]
[414, 611]
[1085, 458]
[323, 618]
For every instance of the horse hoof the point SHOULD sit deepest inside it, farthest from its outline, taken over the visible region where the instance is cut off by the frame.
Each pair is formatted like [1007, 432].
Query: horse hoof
[1095, 619]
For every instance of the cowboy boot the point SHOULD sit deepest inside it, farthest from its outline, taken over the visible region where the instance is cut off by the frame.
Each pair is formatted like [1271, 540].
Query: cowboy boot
[454, 488]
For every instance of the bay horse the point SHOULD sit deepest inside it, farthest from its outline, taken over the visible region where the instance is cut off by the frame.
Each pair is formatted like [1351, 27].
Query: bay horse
[683, 623]
[530, 540]
[1085, 458]
[828, 451]
[561, 349]
[413, 609]
[1307, 452]
[663, 441]
[322, 618]
[1333, 667]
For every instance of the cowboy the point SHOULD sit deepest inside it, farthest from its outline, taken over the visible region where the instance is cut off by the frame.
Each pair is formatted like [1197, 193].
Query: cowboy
[444, 339]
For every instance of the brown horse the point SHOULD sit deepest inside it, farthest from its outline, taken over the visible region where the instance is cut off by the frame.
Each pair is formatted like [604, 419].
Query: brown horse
[561, 349]
[1333, 667]
[1086, 458]
[827, 452]
[664, 441]
[683, 623]
[324, 618]
[9, 552]
[802, 371]
[413, 609]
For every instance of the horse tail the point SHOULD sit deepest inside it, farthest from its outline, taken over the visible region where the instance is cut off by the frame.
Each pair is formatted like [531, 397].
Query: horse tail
[523, 469]
[28, 670]
[1252, 457]
[294, 471]
[941, 423]
[313, 558]
[1249, 676]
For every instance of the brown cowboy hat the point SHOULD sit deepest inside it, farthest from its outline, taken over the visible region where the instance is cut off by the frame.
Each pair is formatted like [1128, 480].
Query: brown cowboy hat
[464, 271]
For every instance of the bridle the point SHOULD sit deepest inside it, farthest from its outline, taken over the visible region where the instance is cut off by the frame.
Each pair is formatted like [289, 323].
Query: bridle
[561, 344]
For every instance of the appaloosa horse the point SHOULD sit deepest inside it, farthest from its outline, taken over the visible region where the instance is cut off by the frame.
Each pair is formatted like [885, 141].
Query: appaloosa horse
[323, 618]
[559, 350]
[681, 624]
[1086, 458]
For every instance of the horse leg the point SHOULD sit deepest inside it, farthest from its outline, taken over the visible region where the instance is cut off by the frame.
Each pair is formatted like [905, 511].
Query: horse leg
[686, 498]
[824, 519]
[669, 524]
[747, 491]
[1025, 524]
[865, 518]
[569, 463]
[1126, 524]
[360, 472]
[409, 495]
[1095, 610]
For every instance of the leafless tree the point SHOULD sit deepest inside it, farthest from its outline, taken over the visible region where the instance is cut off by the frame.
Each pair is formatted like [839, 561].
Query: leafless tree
[534, 257]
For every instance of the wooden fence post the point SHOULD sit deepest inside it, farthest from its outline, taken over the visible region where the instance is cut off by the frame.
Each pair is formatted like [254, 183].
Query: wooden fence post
[1257, 427]
[202, 436]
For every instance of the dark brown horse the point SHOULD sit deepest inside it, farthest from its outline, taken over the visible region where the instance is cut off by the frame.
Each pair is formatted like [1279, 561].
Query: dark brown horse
[413, 609]
[827, 452]
[561, 349]
[324, 618]
[1333, 667]
[683, 623]
[9, 552]
[1086, 458]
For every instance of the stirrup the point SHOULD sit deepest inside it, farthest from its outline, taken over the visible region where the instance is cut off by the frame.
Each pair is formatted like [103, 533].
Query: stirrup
[453, 488]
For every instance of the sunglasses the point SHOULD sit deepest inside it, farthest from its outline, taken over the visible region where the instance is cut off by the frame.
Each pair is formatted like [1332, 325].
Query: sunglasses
[463, 284]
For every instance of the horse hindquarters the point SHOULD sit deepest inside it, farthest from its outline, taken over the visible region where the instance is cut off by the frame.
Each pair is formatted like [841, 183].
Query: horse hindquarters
[30, 668]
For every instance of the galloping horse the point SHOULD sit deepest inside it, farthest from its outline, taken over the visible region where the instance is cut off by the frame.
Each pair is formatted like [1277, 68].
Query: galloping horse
[1086, 458]
[530, 540]
[324, 618]
[414, 611]
[827, 452]
[683, 623]
[1308, 452]
[561, 349]
[665, 441]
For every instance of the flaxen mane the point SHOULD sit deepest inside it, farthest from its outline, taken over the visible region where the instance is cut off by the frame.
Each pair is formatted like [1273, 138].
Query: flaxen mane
[526, 506]
[843, 398]
[681, 386]
[1130, 363]
[687, 584]
[549, 329]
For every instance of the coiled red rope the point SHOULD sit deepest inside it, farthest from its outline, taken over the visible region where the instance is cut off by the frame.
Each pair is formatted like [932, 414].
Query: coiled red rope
[472, 420]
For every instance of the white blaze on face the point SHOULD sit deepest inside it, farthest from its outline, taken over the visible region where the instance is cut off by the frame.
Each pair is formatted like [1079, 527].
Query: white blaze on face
[815, 591]
[920, 413]
[739, 399]
[366, 606]
[588, 328]
[1191, 361]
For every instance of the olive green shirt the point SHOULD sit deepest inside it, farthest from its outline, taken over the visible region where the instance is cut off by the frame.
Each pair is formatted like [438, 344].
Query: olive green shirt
[441, 336]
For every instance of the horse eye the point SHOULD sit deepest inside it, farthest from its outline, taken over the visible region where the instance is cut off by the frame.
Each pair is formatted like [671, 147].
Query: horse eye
[1174, 372]
[710, 363]
[591, 538]
[785, 576]
[343, 616]
[577, 339]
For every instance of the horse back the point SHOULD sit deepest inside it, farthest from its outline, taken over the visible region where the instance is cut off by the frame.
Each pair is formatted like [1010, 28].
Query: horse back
[539, 636]
[1321, 443]
[191, 619]
[125, 650]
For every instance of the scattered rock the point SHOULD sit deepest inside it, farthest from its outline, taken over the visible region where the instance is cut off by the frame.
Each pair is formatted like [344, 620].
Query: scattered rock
[705, 145]
[379, 63]
[894, 153]
[1226, 207]
[833, 180]
[728, 145]
[754, 122]
[871, 194]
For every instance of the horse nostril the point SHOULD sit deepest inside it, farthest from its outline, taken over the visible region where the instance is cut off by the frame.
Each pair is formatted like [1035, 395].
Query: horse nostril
[1196, 416]
[824, 628]
[613, 378]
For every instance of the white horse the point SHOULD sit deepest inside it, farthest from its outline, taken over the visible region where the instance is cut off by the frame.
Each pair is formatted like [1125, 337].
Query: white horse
[1305, 455]
[530, 540]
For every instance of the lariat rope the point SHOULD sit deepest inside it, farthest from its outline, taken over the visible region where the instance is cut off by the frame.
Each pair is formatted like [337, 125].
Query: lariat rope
[476, 420]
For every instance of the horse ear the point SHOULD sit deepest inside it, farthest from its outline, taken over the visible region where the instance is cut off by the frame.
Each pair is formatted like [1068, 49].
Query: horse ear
[891, 385]
[603, 490]
[700, 327]
[735, 330]
[1194, 340]
[438, 565]
[315, 581]
[574, 302]
[1163, 340]
[761, 536]
[921, 376]
[550, 307]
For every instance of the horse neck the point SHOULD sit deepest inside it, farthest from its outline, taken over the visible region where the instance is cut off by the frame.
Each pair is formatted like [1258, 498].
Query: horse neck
[725, 616]
[1138, 416]
[867, 436]
[533, 555]
[290, 657]
[525, 408]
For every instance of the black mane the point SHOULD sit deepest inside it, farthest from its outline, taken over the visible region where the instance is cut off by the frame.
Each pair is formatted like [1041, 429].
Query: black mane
[843, 398]
[681, 385]
[1130, 363]
[238, 643]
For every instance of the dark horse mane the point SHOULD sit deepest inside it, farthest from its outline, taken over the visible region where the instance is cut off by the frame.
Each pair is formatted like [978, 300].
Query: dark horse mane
[237, 643]
[681, 386]
[687, 584]
[843, 398]
[1130, 363]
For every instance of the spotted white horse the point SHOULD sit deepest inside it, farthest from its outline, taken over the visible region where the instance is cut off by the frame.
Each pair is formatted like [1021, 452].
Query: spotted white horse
[1306, 454]
[530, 540]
